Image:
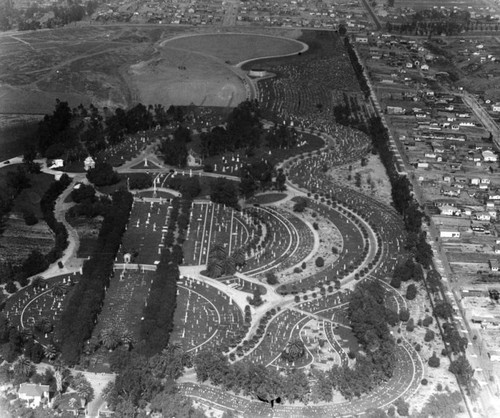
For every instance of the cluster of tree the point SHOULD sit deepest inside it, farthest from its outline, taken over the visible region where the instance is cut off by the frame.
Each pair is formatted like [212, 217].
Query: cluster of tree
[464, 372]
[402, 197]
[103, 175]
[85, 302]
[405, 271]
[358, 68]
[225, 192]
[255, 380]
[349, 113]
[47, 205]
[139, 181]
[294, 351]
[159, 312]
[76, 133]
[14, 343]
[37, 262]
[16, 181]
[58, 378]
[175, 150]
[444, 405]
[87, 203]
[243, 130]
[258, 176]
[148, 383]
[282, 137]
[221, 264]
[189, 187]
[429, 22]
[370, 320]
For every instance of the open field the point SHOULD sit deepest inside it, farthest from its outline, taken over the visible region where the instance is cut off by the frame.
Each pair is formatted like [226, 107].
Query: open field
[181, 78]
[235, 47]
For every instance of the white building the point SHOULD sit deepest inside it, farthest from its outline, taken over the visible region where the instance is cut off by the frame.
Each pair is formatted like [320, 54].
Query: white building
[33, 394]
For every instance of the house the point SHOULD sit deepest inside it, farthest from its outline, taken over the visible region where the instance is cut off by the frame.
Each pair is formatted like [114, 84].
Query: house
[489, 156]
[493, 264]
[88, 163]
[194, 159]
[450, 210]
[395, 110]
[475, 181]
[495, 107]
[447, 191]
[33, 394]
[361, 39]
[483, 216]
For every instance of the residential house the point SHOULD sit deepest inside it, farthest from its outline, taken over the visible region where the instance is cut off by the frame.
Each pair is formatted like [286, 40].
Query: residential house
[489, 156]
[194, 159]
[483, 216]
[450, 210]
[33, 394]
[493, 264]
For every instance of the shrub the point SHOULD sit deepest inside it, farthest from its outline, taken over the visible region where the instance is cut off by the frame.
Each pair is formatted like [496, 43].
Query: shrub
[300, 205]
[315, 226]
[424, 382]
[304, 265]
[410, 326]
[396, 282]
[11, 287]
[30, 218]
[271, 278]
[297, 270]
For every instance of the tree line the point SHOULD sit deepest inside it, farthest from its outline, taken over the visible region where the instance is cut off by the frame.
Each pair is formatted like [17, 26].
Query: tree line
[84, 303]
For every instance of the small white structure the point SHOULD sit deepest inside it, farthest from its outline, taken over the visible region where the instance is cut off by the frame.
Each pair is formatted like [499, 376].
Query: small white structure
[127, 257]
[449, 233]
[88, 163]
[33, 394]
[57, 163]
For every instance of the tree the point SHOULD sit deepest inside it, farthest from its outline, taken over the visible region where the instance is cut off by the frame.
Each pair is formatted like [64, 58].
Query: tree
[320, 262]
[411, 292]
[225, 192]
[110, 338]
[434, 361]
[23, 367]
[83, 387]
[102, 175]
[50, 352]
[443, 309]
[404, 315]
[294, 351]
[429, 335]
[271, 278]
[402, 407]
